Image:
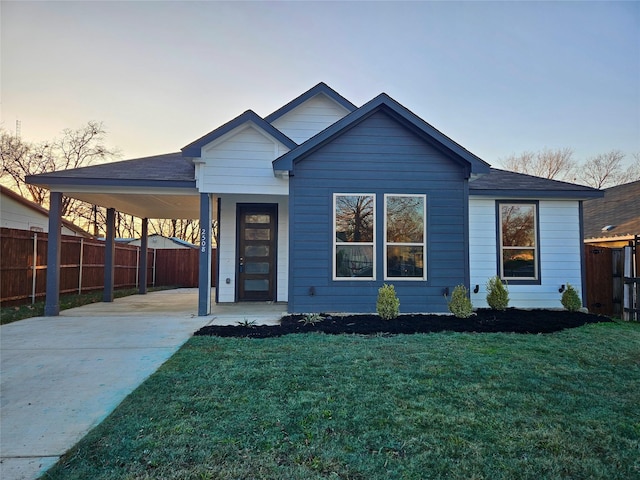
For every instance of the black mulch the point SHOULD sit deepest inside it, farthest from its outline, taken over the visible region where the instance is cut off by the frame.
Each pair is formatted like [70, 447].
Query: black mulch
[484, 321]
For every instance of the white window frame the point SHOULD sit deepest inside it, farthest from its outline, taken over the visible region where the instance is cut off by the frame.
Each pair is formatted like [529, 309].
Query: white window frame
[372, 244]
[535, 248]
[423, 244]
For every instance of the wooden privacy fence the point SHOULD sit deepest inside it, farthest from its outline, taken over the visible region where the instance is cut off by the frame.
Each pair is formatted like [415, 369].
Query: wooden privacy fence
[23, 265]
[613, 283]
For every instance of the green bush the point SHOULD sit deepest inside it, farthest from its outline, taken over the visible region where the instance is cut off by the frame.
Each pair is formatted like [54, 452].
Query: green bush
[388, 304]
[311, 319]
[460, 304]
[497, 294]
[570, 299]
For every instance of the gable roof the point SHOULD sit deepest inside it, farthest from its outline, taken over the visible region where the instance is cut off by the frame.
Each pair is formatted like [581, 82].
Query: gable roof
[194, 149]
[519, 185]
[385, 103]
[168, 170]
[40, 210]
[618, 209]
[320, 88]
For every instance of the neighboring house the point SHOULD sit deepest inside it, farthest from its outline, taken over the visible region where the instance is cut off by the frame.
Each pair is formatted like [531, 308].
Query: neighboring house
[321, 202]
[613, 220]
[162, 242]
[22, 214]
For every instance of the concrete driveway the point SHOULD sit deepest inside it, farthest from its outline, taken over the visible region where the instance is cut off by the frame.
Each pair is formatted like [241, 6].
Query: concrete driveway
[61, 376]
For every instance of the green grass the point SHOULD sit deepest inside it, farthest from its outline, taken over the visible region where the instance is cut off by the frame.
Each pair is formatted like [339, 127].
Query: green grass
[20, 312]
[454, 406]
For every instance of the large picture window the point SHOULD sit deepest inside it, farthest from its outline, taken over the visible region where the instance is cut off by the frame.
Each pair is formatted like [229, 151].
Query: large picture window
[354, 236]
[405, 234]
[518, 241]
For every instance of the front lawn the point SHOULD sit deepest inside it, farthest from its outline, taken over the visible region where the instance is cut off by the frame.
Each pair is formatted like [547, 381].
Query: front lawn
[446, 405]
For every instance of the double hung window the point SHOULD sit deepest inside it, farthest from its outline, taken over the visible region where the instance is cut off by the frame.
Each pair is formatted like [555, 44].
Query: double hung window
[354, 236]
[518, 241]
[405, 234]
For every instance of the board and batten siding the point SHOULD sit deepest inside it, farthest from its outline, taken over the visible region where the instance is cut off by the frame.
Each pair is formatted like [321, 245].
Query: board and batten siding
[377, 156]
[240, 162]
[559, 250]
[227, 261]
[310, 118]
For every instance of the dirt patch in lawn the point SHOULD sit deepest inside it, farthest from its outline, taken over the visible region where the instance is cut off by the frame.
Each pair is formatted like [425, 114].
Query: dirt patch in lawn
[483, 321]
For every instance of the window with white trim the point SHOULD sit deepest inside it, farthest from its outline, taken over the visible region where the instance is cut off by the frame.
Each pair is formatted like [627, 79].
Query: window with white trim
[518, 241]
[354, 227]
[405, 230]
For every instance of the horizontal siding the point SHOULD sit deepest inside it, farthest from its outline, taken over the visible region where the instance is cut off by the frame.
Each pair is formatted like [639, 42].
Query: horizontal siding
[227, 245]
[559, 248]
[377, 156]
[17, 216]
[309, 118]
[241, 163]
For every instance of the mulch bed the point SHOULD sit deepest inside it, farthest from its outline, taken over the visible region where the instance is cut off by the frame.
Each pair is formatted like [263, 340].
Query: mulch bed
[484, 321]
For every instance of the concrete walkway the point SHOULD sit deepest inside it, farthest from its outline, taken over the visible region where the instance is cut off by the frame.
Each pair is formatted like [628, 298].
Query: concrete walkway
[61, 376]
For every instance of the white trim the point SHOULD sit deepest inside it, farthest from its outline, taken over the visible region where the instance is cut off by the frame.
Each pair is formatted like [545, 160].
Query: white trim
[372, 244]
[404, 244]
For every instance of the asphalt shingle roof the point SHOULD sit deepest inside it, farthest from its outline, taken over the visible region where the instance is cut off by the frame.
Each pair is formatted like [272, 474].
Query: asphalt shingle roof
[518, 184]
[172, 167]
[620, 207]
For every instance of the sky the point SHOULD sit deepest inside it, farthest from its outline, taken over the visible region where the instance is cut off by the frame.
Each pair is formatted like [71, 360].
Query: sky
[499, 78]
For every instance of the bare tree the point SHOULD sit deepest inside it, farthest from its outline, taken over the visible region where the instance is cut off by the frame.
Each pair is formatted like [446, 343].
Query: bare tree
[76, 148]
[553, 164]
[20, 159]
[607, 169]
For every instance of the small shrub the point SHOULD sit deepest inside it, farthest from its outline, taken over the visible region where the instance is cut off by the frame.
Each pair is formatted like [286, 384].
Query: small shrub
[247, 323]
[311, 319]
[497, 294]
[570, 299]
[460, 304]
[388, 304]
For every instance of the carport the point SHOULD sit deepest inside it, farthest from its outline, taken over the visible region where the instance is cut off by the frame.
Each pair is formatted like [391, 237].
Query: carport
[157, 187]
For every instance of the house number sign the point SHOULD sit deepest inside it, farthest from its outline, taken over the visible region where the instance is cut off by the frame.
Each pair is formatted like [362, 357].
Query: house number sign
[203, 240]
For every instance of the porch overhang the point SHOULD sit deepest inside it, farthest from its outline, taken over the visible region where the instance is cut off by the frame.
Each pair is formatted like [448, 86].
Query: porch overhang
[139, 200]
[161, 186]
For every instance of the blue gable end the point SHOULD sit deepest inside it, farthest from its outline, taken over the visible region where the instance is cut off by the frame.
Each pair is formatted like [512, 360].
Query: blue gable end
[378, 154]
[412, 122]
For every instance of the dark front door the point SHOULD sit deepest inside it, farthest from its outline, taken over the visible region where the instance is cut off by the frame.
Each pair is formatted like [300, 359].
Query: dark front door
[256, 264]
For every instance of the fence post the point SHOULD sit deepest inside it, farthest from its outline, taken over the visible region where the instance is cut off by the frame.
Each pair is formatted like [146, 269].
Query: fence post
[80, 271]
[34, 268]
[137, 264]
[155, 251]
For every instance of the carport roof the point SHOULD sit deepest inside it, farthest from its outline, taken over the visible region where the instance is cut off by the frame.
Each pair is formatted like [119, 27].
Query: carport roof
[168, 170]
[160, 186]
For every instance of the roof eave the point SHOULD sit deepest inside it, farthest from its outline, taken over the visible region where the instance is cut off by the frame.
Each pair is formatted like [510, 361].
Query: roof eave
[43, 180]
[519, 193]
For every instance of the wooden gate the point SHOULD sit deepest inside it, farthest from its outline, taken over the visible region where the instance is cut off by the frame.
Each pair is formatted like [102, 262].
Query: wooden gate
[612, 290]
[599, 270]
